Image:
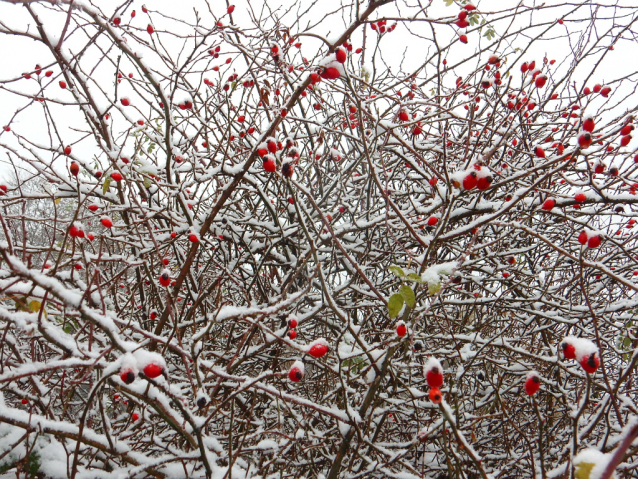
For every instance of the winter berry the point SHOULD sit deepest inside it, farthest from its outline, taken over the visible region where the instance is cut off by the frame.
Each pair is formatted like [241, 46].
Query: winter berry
[269, 164]
[94, 207]
[150, 29]
[594, 241]
[127, 376]
[433, 373]
[470, 181]
[532, 383]
[626, 130]
[589, 124]
[106, 222]
[403, 115]
[484, 182]
[193, 238]
[135, 416]
[432, 220]
[540, 81]
[402, 330]
[624, 141]
[287, 169]
[3, 189]
[116, 175]
[341, 55]
[318, 348]
[296, 372]
[165, 278]
[548, 205]
[330, 73]
[463, 38]
[153, 370]
[538, 151]
[584, 140]
[77, 266]
[580, 197]
[590, 362]
[568, 348]
[435, 395]
[117, 21]
[25, 401]
[605, 91]
[292, 334]
[125, 101]
[74, 168]
[292, 323]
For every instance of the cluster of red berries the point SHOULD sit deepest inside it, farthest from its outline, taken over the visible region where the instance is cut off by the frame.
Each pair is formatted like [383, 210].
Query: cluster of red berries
[382, 26]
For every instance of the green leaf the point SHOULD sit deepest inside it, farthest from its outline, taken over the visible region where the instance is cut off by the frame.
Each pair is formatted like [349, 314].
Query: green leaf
[408, 295]
[434, 287]
[414, 277]
[448, 2]
[397, 271]
[147, 182]
[107, 184]
[35, 306]
[395, 304]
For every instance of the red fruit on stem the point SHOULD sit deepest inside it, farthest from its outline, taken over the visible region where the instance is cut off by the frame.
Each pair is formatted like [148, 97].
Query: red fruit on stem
[540, 81]
[589, 124]
[580, 197]
[67, 150]
[548, 205]
[135, 416]
[583, 237]
[434, 377]
[193, 238]
[292, 334]
[590, 362]
[341, 55]
[435, 395]
[469, 7]
[584, 140]
[296, 372]
[165, 278]
[74, 168]
[484, 182]
[116, 176]
[538, 151]
[463, 38]
[318, 348]
[106, 222]
[330, 73]
[292, 323]
[533, 383]
[127, 376]
[403, 115]
[432, 220]
[93, 207]
[269, 165]
[153, 370]
[569, 350]
[605, 91]
[287, 169]
[624, 141]
[230, 9]
[626, 130]
[150, 29]
[402, 330]
[62, 84]
[594, 241]
[470, 181]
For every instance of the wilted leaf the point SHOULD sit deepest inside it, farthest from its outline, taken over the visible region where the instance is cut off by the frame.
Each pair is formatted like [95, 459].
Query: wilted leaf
[107, 184]
[57, 201]
[395, 304]
[408, 295]
[414, 277]
[434, 287]
[397, 271]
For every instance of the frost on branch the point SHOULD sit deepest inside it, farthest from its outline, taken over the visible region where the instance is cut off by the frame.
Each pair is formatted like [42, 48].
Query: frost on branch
[316, 242]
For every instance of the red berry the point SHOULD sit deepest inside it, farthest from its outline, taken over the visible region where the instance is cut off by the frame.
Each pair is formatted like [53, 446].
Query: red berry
[67, 150]
[93, 207]
[150, 29]
[135, 416]
[594, 241]
[584, 140]
[590, 362]
[434, 377]
[106, 222]
[540, 81]
[470, 181]
[402, 330]
[230, 9]
[626, 130]
[296, 372]
[62, 84]
[580, 197]
[469, 7]
[624, 141]
[432, 220]
[463, 38]
[330, 73]
[589, 124]
[292, 323]
[193, 238]
[549, 204]
[435, 395]
[484, 182]
[341, 55]
[569, 350]
[269, 165]
[605, 91]
[165, 278]
[153, 370]
[116, 176]
[24, 401]
[403, 115]
[532, 384]
[318, 348]
[292, 334]
[127, 376]
[538, 151]
[74, 168]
